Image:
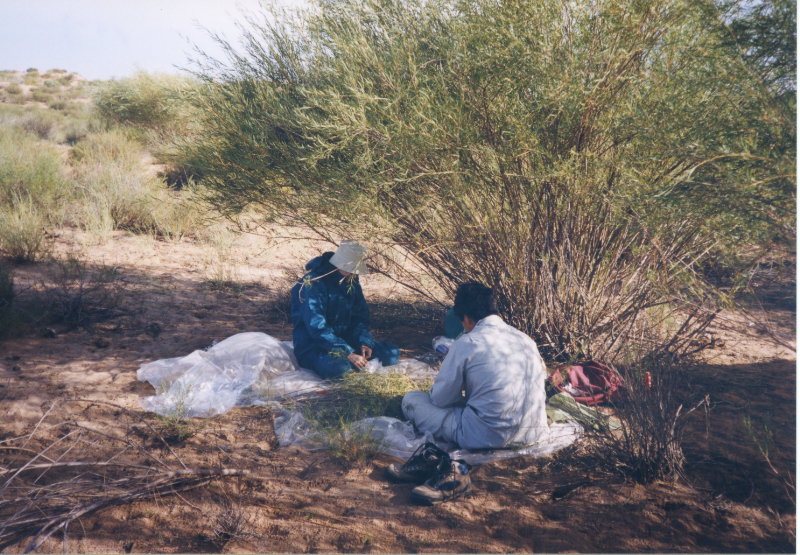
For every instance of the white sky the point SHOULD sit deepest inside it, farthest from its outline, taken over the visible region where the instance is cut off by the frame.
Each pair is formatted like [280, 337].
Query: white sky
[101, 39]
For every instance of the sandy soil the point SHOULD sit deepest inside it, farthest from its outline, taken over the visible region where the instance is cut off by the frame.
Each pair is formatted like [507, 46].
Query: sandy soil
[298, 501]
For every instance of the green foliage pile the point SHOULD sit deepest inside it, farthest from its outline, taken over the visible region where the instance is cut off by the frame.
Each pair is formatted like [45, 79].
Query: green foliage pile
[358, 395]
[354, 397]
[588, 161]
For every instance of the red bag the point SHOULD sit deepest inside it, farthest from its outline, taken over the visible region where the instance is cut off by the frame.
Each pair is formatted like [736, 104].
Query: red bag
[595, 382]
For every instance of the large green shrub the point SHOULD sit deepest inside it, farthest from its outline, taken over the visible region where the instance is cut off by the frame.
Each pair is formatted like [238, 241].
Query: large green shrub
[583, 159]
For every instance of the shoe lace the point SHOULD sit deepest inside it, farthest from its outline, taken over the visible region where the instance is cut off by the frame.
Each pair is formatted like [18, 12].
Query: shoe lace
[444, 473]
[422, 456]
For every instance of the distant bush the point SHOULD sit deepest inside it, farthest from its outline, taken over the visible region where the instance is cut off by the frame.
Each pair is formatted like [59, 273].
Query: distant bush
[41, 122]
[29, 169]
[31, 79]
[13, 88]
[56, 71]
[32, 70]
[79, 126]
[76, 92]
[22, 234]
[40, 96]
[65, 81]
[115, 192]
[16, 99]
[144, 100]
[115, 146]
[57, 104]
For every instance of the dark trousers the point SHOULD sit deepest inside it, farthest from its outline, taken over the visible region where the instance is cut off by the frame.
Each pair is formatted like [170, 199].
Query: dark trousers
[330, 366]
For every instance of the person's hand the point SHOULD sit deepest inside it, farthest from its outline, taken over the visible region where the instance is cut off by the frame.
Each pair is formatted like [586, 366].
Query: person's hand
[366, 352]
[357, 360]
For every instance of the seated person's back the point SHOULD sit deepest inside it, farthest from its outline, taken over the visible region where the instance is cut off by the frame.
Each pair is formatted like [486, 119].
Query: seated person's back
[502, 374]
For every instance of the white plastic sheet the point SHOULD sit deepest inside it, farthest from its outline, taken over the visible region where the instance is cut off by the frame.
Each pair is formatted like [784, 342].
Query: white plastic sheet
[245, 369]
[256, 369]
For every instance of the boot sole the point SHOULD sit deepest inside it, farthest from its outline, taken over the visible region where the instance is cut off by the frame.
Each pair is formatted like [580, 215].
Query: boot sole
[422, 500]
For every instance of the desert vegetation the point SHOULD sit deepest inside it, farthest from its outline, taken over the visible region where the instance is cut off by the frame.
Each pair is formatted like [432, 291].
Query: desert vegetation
[574, 157]
[622, 174]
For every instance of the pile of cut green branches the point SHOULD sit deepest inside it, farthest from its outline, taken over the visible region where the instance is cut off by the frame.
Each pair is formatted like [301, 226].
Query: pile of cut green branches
[351, 399]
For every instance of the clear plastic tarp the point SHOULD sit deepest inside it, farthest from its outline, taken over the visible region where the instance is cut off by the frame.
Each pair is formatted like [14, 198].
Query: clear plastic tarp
[254, 368]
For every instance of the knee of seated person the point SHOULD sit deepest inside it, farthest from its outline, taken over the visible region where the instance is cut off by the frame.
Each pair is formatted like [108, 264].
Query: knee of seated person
[389, 354]
[410, 399]
[334, 371]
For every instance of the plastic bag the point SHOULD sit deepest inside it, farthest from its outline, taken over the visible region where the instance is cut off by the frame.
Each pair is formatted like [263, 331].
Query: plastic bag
[400, 440]
[442, 344]
[413, 368]
[205, 384]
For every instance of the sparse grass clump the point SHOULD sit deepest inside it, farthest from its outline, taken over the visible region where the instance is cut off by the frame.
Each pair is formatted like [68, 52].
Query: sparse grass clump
[41, 122]
[647, 446]
[40, 96]
[176, 428]
[114, 191]
[13, 88]
[222, 270]
[354, 445]
[57, 104]
[22, 234]
[78, 294]
[30, 169]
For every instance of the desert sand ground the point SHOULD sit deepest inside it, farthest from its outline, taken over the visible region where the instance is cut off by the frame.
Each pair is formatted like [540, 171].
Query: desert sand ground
[299, 501]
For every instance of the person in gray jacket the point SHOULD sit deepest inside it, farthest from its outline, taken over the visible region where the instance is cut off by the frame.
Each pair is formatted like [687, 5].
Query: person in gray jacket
[502, 377]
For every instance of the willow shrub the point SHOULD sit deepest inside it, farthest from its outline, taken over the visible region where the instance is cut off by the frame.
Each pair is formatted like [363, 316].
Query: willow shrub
[581, 158]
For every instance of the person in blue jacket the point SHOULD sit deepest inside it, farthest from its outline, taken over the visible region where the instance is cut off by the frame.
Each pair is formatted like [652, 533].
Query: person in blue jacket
[331, 318]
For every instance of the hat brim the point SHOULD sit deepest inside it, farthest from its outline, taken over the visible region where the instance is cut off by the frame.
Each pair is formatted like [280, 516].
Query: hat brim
[358, 267]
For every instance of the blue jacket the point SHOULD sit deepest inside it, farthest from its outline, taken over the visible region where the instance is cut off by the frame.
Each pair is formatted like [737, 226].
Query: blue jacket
[329, 313]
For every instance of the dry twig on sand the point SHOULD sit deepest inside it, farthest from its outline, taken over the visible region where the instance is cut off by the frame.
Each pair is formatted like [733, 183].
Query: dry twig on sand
[59, 473]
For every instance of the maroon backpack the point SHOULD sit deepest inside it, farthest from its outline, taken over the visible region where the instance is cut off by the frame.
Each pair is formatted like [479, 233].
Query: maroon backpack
[594, 381]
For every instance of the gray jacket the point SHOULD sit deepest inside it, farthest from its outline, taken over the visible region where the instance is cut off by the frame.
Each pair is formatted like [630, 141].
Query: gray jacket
[503, 375]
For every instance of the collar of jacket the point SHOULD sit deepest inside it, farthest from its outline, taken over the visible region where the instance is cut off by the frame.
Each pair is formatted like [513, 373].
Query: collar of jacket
[491, 320]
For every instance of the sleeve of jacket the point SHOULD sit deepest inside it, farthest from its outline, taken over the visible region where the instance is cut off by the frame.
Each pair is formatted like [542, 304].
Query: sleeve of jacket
[312, 309]
[359, 320]
[446, 389]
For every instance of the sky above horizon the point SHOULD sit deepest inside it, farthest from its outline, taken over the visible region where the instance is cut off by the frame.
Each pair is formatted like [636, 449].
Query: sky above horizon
[102, 39]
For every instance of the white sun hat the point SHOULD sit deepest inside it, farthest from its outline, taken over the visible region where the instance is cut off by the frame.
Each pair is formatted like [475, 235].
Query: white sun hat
[350, 257]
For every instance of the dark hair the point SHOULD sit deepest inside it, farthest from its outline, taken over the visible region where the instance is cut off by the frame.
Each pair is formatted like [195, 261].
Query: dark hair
[475, 300]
